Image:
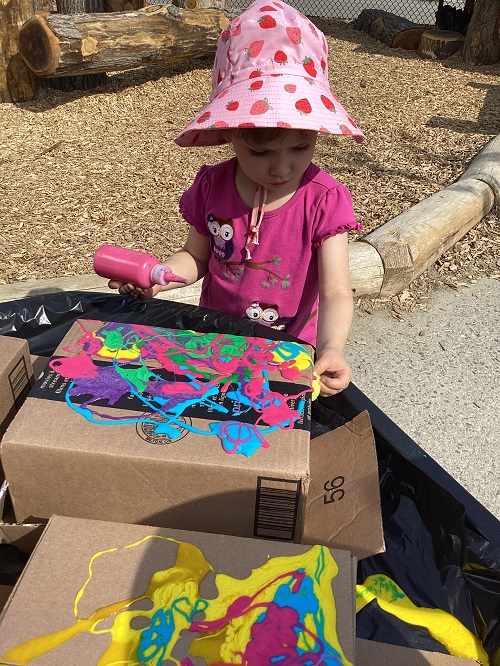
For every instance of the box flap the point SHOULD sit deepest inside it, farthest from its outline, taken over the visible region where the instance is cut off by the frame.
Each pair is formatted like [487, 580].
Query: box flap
[370, 653]
[343, 505]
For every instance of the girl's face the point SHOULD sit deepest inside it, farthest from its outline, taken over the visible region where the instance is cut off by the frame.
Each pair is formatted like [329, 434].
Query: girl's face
[279, 164]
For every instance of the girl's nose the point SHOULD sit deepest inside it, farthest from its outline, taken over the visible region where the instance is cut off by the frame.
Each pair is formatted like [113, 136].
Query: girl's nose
[280, 167]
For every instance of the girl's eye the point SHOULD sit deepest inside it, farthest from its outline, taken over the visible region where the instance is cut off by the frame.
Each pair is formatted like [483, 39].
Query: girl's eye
[258, 153]
[301, 149]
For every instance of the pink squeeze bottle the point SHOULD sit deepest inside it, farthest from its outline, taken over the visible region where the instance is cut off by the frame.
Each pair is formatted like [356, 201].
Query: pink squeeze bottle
[138, 268]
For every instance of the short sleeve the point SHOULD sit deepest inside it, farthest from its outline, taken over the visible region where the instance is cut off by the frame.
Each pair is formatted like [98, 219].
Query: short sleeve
[334, 215]
[193, 200]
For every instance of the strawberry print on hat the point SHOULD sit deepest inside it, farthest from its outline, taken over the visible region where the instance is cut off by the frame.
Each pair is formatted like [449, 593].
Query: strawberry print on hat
[271, 71]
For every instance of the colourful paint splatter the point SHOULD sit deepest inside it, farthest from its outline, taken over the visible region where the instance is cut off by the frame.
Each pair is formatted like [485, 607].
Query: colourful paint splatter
[171, 371]
[443, 626]
[283, 614]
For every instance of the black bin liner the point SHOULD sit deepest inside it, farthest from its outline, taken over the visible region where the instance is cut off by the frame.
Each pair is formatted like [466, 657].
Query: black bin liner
[442, 545]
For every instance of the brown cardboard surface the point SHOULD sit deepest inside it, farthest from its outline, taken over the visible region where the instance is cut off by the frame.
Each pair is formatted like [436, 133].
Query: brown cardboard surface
[58, 462]
[39, 364]
[371, 653]
[16, 377]
[83, 567]
[343, 503]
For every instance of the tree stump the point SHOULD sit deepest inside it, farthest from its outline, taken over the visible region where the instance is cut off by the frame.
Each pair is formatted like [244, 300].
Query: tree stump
[384, 26]
[482, 42]
[439, 44]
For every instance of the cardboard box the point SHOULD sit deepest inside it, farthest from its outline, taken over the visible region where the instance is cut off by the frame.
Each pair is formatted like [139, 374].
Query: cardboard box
[371, 653]
[177, 429]
[16, 377]
[97, 592]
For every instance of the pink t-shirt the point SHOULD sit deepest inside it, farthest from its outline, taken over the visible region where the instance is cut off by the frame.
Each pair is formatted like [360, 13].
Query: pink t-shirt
[278, 286]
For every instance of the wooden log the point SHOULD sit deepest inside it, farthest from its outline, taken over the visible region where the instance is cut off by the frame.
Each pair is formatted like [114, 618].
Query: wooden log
[84, 81]
[439, 44]
[200, 4]
[62, 45]
[383, 26]
[482, 41]
[411, 242]
[21, 84]
[17, 82]
[366, 269]
[486, 167]
[124, 5]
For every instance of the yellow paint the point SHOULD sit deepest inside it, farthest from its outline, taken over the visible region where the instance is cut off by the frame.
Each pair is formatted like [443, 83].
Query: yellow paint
[176, 590]
[165, 586]
[443, 626]
[131, 354]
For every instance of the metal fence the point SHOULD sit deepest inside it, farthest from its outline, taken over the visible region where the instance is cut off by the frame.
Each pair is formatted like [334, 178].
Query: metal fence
[418, 11]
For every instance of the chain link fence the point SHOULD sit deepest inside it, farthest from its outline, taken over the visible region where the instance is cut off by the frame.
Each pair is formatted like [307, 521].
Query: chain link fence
[417, 11]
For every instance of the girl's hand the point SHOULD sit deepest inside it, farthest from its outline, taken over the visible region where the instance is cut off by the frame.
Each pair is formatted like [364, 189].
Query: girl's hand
[134, 292]
[333, 371]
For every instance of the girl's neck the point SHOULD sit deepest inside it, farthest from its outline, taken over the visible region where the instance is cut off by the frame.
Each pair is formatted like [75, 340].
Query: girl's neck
[275, 199]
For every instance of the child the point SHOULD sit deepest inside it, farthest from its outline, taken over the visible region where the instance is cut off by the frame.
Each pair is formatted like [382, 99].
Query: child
[268, 228]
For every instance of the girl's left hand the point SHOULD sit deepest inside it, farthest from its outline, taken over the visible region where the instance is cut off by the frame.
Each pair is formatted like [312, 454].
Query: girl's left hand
[333, 371]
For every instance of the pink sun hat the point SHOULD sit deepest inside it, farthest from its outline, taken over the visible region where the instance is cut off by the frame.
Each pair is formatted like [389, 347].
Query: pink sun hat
[270, 70]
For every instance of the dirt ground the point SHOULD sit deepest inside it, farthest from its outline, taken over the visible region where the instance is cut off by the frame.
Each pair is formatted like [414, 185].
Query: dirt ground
[84, 168]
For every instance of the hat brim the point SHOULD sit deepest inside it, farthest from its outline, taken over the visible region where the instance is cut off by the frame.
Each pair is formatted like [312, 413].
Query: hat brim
[277, 100]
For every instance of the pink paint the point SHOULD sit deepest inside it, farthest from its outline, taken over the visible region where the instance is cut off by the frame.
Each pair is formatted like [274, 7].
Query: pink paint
[73, 367]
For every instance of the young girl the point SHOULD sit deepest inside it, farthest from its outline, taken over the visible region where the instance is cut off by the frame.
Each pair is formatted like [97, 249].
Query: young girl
[268, 228]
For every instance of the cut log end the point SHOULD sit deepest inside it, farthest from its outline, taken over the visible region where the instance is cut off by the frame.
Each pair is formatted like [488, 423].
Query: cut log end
[39, 47]
[408, 39]
[439, 44]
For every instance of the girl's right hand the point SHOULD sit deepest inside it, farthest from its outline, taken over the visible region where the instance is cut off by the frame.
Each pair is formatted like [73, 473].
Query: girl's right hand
[134, 292]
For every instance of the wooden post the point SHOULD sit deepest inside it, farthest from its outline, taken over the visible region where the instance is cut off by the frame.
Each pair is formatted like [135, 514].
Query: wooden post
[17, 82]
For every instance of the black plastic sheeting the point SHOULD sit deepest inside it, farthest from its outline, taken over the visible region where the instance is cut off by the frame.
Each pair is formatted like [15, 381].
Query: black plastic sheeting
[442, 545]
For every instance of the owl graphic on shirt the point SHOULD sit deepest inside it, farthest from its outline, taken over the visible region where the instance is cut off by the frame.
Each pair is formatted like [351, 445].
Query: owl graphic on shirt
[266, 314]
[221, 234]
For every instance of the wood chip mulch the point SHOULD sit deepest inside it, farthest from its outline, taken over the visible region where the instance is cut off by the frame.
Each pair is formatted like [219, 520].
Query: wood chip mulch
[79, 169]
